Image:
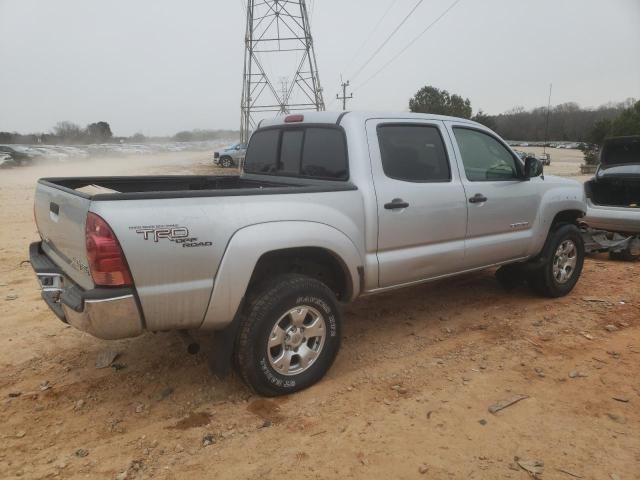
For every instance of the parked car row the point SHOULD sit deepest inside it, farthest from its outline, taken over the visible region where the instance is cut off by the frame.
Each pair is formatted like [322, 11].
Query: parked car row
[19, 155]
[14, 156]
[545, 158]
[561, 145]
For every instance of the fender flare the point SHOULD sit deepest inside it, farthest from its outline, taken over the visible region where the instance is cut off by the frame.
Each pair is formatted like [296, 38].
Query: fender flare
[554, 203]
[248, 244]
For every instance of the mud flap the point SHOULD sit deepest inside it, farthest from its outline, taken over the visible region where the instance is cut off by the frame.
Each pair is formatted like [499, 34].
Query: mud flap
[220, 350]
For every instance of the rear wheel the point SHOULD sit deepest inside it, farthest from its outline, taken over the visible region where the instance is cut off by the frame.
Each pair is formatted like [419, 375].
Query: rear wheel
[226, 162]
[289, 335]
[562, 260]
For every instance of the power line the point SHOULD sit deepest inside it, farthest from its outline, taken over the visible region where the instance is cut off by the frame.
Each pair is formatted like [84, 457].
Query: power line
[374, 30]
[395, 30]
[409, 45]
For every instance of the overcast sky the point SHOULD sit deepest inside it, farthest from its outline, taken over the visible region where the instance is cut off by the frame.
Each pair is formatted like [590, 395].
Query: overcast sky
[160, 66]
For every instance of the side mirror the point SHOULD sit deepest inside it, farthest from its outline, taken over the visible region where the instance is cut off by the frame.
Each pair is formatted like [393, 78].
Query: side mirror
[532, 167]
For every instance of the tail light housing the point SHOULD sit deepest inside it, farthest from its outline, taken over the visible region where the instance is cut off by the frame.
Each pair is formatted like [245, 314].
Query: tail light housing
[107, 264]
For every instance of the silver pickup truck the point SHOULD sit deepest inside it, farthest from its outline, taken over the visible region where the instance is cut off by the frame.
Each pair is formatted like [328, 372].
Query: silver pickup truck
[329, 207]
[231, 156]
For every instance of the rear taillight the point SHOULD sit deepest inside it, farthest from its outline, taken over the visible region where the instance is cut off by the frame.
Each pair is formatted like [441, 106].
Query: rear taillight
[106, 261]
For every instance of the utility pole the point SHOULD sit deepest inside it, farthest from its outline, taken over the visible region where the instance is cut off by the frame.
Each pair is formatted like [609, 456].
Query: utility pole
[278, 44]
[546, 127]
[344, 97]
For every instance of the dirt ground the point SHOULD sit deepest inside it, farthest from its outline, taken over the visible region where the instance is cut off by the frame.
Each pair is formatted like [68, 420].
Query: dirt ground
[407, 398]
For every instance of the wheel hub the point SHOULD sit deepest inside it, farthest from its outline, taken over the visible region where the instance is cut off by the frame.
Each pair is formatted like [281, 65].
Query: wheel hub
[296, 341]
[294, 338]
[564, 261]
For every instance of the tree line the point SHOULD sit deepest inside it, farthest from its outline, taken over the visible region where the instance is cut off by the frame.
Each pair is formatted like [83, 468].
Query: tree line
[566, 122]
[69, 133]
[63, 133]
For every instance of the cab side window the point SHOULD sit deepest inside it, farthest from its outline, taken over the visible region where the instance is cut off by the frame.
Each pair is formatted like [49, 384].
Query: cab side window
[413, 153]
[485, 158]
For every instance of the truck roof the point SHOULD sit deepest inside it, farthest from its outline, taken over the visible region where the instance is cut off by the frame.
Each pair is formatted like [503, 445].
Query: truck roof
[334, 117]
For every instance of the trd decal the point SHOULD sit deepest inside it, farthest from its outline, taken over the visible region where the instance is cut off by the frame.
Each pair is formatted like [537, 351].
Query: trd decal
[172, 233]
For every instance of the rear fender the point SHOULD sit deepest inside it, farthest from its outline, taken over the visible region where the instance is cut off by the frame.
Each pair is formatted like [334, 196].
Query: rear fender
[248, 244]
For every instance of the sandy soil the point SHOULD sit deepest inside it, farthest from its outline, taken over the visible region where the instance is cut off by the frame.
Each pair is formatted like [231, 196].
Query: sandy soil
[563, 162]
[408, 396]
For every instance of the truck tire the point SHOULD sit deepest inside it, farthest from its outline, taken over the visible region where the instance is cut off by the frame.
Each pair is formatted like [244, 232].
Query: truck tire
[226, 162]
[561, 259]
[289, 335]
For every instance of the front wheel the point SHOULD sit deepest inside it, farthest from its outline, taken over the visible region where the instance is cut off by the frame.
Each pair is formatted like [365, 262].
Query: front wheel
[226, 162]
[562, 261]
[289, 336]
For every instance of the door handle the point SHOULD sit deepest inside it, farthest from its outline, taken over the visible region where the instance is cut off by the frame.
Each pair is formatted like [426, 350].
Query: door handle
[478, 198]
[396, 204]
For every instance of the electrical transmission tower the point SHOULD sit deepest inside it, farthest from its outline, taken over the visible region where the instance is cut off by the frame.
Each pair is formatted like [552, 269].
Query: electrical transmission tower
[278, 43]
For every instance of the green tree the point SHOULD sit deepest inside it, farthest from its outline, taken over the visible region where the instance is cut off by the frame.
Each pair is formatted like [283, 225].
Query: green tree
[184, 136]
[433, 100]
[485, 119]
[600, 130]
[99, 132]
[628, 122]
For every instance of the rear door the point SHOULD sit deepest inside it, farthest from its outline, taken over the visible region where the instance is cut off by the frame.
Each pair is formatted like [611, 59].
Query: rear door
[502, 206]
[422, 210]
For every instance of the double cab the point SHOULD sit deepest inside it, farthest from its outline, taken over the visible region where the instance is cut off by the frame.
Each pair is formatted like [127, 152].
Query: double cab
[329, 207]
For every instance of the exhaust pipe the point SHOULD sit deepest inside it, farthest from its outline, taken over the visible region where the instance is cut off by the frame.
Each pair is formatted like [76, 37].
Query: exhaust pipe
[192, 344]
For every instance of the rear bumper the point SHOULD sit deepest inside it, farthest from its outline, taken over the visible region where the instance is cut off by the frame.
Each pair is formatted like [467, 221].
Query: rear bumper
[107, 313]
[613, 219]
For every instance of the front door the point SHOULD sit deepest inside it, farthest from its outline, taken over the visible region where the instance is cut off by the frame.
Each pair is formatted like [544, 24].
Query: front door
[502, 205]
[422, 209]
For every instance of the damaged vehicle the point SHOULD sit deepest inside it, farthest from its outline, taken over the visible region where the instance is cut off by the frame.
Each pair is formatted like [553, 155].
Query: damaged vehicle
[613, 198]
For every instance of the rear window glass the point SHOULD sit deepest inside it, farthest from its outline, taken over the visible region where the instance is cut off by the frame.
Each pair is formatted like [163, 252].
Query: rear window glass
[314, 152]
[290, 151]
[263, 152]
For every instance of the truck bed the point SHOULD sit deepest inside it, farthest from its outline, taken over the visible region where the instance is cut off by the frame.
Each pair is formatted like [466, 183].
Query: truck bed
[184, 186]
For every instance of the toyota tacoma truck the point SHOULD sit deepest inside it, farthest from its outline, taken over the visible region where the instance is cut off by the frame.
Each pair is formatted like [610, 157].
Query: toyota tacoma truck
[329, 207]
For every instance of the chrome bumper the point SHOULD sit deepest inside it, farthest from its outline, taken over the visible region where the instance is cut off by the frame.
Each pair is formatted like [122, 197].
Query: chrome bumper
[109, 314]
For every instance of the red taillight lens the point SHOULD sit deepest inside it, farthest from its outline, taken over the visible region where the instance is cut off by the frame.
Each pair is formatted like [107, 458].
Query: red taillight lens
[106, 261]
